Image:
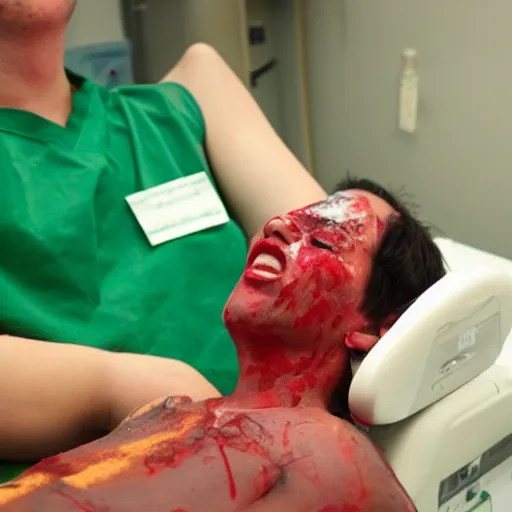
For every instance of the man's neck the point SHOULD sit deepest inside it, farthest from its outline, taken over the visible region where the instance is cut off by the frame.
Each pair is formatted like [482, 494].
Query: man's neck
[32, 76]
[277, 374]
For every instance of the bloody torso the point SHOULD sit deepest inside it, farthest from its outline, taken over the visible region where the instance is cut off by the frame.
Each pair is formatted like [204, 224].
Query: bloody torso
[175, 456]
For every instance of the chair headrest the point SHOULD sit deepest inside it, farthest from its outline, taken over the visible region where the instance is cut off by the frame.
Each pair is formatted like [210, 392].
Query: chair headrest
[451, 334]
[458, 256]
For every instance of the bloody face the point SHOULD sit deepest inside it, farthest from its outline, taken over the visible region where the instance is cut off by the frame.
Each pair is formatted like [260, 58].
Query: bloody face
[307, 276]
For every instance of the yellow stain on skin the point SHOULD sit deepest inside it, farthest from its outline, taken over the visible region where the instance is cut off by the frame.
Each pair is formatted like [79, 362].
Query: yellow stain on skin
[30, 483]
[98, 472]
[143, 409]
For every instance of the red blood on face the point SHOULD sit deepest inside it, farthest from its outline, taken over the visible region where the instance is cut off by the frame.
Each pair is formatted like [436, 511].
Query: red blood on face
[311, 269]
[301, 292]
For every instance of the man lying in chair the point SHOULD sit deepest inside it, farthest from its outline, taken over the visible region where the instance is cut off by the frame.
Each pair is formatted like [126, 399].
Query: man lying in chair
[324, 279]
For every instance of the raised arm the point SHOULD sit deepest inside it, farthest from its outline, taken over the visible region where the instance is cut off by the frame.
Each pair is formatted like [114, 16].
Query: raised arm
[52, 396]
[56, 396]
[257, 173]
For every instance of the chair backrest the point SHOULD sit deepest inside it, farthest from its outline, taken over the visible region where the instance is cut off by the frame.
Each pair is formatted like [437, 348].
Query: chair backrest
[451, 334]
[460, 256]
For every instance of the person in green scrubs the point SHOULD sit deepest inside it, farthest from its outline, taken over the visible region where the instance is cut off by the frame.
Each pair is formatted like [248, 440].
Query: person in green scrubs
[82, 291]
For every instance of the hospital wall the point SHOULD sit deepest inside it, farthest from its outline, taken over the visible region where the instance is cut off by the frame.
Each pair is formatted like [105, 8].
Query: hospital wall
[458, 163]
[95, 22]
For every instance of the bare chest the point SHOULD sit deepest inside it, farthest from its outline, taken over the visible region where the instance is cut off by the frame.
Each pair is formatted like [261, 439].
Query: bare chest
[177, 458]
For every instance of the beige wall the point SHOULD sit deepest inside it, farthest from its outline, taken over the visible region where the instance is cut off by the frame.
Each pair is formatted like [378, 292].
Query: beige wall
[458, 165]
[169, 27]
[95, 21]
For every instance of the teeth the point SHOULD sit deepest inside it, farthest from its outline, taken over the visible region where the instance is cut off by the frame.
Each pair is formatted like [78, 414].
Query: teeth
[264, 273]
[266, 260]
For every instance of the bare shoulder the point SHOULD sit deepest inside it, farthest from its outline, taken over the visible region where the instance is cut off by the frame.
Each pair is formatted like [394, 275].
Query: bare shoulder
[334, 440]
[352, 469]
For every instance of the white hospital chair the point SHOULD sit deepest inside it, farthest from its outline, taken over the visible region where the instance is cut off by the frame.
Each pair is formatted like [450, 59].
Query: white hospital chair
[436, 391]
[460, 256]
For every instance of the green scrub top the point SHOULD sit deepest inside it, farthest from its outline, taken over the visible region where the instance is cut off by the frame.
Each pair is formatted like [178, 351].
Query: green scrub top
[76, 267]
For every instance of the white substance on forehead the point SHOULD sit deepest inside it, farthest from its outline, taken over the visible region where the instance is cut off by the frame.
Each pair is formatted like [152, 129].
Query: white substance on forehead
[337, 208]
[294, 249]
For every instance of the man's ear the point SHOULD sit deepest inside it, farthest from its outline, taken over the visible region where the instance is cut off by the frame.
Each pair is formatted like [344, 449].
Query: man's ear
[365, 341]
[357, 340]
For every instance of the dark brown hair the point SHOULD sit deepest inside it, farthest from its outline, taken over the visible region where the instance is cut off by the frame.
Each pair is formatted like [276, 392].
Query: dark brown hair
[406, 264]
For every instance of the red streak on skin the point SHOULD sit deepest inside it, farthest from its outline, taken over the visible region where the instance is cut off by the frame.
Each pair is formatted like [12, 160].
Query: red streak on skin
[151, 469]
[263, 482]
[179, 510]
[76, 503]
[229, 472]
[286, 435]
[236, 431]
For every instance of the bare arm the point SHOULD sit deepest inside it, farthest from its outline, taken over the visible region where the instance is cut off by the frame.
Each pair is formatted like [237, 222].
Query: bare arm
[52, 396]
[55, 396]
[258, 175]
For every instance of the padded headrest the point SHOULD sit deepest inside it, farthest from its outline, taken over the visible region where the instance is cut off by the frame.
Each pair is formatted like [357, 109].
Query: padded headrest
[451, 334]
[459, 256]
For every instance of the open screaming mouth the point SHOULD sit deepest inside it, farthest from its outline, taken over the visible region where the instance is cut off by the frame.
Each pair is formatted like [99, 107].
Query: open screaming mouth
[266, 262]
[267, 265]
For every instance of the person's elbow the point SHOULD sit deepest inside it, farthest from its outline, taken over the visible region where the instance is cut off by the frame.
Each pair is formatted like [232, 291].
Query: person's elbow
[198, 65]
[201, 50]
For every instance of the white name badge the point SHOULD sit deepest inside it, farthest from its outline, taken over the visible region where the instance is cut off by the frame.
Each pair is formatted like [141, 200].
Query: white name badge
[178, 208]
